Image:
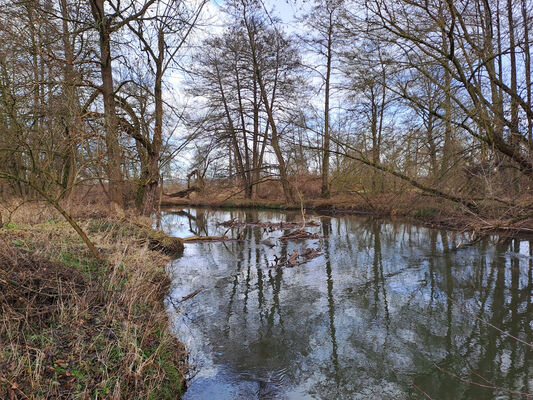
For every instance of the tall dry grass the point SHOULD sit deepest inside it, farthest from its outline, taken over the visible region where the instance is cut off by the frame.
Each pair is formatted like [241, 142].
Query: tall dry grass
[72, 328]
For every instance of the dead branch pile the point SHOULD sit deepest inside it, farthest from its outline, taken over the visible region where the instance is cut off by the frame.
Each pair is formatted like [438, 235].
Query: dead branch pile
[297, 258]
[299, 234]
[270, 226]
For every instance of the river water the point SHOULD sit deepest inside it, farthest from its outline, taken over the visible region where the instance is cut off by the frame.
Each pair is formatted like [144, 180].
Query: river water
[389, 310]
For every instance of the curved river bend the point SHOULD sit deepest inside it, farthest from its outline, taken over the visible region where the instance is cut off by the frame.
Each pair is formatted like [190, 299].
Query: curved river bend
[388, 311]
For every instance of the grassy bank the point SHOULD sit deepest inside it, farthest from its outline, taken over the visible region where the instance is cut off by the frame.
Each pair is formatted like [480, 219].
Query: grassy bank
[73, 328]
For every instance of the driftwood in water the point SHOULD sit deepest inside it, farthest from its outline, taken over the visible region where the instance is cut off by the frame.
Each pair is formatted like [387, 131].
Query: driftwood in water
[297, 258]
[270, 226]
[191, 295]
[207, 239]
[299, 234]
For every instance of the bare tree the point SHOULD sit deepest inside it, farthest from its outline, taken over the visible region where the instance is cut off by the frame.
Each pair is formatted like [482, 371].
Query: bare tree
[161, 37]
[106, 24]
[323, 21]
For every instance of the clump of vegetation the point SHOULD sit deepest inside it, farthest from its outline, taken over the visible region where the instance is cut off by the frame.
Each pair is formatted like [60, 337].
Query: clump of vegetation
[425, 213]
[71, 327]
[156, 240]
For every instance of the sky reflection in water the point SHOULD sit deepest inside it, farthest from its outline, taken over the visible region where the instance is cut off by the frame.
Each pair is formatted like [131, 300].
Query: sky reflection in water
[390, 310]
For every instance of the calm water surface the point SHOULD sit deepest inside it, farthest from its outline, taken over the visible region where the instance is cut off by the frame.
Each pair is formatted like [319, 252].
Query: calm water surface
[388, 311]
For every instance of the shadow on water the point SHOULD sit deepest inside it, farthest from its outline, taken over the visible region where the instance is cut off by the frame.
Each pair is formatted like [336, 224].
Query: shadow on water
[388, 311]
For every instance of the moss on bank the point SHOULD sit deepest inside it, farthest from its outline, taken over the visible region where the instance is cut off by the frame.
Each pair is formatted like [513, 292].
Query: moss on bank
[73, 328]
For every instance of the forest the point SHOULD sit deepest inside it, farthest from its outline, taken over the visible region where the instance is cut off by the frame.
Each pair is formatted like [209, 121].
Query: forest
[357, 99]
[112, 111]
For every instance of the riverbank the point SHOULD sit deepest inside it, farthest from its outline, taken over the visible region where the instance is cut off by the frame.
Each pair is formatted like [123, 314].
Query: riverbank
[73, 328]
[412, 207]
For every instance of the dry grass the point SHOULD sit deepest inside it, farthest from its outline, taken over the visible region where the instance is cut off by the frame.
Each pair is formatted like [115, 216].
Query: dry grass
[70, 328]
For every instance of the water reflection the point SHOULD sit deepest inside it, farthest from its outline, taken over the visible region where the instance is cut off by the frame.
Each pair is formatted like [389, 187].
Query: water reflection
[389, 311]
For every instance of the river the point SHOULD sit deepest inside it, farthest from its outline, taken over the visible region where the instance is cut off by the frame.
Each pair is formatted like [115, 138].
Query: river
[389, 310]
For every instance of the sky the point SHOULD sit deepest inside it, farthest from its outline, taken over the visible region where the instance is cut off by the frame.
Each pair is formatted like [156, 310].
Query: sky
[213, 23]
[286, 10]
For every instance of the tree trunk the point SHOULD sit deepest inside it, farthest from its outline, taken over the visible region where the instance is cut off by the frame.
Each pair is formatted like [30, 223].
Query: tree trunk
[248, 180]
[274, 141]
[255, 144]
[448, 134]
[72, 117]
[527, 69]
[287, 189]
[325, 192]
[515, 134]
[152, 193]
[114, 172]
[239, 166]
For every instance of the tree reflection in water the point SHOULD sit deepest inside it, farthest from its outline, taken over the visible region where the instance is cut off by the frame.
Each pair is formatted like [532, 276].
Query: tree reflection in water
[387, 304]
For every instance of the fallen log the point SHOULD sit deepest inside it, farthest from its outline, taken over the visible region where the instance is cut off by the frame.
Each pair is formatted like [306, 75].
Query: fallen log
[183, 193]
[193, 239]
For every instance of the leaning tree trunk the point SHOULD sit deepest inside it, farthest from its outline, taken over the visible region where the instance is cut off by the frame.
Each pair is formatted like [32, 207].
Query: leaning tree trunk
[287, 189]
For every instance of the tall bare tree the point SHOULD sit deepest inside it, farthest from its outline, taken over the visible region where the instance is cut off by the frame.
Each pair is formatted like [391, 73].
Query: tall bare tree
[161, 37]
[107, 24]
[323, 22]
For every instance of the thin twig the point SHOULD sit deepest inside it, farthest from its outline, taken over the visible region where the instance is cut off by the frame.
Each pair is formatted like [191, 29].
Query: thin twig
[486, 386]
[421, 391]
[489, 324]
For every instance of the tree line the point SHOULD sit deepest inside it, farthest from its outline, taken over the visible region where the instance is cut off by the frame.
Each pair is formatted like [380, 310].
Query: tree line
[83, 96]
[368, 96]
